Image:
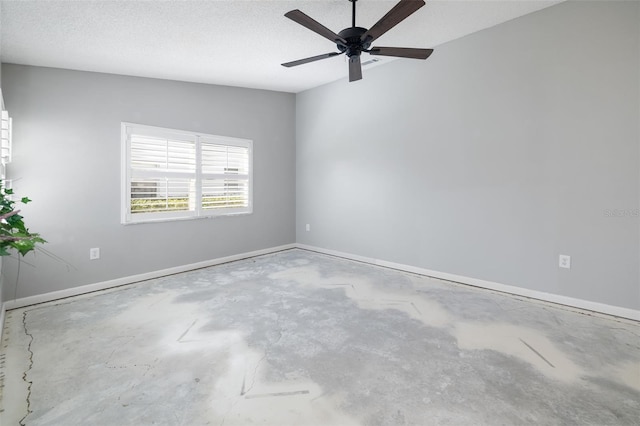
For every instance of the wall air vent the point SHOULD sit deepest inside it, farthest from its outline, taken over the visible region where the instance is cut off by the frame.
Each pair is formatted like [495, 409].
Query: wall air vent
[370, 61]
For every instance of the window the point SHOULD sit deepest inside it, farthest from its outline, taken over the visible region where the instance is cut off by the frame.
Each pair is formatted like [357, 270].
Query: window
[172, 174]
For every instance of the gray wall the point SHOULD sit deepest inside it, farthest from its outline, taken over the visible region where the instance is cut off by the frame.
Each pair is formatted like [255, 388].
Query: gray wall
[67, 160]
[490, 159]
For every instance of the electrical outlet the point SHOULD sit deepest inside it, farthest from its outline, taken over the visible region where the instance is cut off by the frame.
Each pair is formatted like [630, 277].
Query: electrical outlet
[308, 227]
[564, 261]
[94, 253]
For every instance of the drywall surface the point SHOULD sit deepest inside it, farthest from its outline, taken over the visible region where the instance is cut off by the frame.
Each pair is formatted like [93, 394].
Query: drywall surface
[504, 150]
[67, 160]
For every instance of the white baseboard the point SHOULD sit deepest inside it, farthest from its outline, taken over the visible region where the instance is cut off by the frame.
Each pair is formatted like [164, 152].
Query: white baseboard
[104, 285]
[503, 288]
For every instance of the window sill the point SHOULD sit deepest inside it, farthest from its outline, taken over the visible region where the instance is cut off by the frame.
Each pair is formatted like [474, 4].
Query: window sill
[181, 219]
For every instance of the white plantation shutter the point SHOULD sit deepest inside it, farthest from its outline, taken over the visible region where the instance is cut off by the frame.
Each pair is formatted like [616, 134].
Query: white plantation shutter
[220, 159]
[225, 175]
[224, 193]
[163, 175]
[149, 153]
[170, 174]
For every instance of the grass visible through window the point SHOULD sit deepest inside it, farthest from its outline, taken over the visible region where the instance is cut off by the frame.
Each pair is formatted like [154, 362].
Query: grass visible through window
[151, 205]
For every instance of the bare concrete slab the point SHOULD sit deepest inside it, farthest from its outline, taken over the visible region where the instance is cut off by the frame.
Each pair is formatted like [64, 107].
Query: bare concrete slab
[299, 338]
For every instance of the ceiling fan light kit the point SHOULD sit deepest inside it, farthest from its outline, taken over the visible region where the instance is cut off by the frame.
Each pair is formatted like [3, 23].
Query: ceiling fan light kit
[354, 40]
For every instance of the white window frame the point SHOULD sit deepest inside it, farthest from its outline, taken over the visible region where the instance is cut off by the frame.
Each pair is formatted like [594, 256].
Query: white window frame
[198, 212]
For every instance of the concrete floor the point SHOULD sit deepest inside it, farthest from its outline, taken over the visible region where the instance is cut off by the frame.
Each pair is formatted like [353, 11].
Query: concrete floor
[301, 338]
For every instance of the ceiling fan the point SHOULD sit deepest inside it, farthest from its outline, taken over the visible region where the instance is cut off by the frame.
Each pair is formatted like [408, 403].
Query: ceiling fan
[355, 40]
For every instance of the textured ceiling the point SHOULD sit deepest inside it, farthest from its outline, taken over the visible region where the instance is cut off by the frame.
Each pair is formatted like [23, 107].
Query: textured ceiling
[235, 43]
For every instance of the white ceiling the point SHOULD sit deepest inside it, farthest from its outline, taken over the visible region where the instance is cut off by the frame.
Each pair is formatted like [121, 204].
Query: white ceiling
[235, 43]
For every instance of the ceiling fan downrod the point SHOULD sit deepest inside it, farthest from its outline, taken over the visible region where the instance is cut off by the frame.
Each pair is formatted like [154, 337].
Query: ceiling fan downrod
[353, 14]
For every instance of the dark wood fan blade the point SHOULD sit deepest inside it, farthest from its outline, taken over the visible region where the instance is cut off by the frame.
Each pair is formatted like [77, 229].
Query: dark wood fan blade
[311, 59]
[355, 68]
[402, 52]
[313, 25]
[397, 14]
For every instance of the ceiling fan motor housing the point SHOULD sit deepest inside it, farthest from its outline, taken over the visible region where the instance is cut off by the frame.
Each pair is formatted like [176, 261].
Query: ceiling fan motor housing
[354, 45]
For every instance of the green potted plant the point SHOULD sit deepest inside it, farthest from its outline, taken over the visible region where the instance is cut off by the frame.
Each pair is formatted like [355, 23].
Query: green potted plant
[13, 232]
